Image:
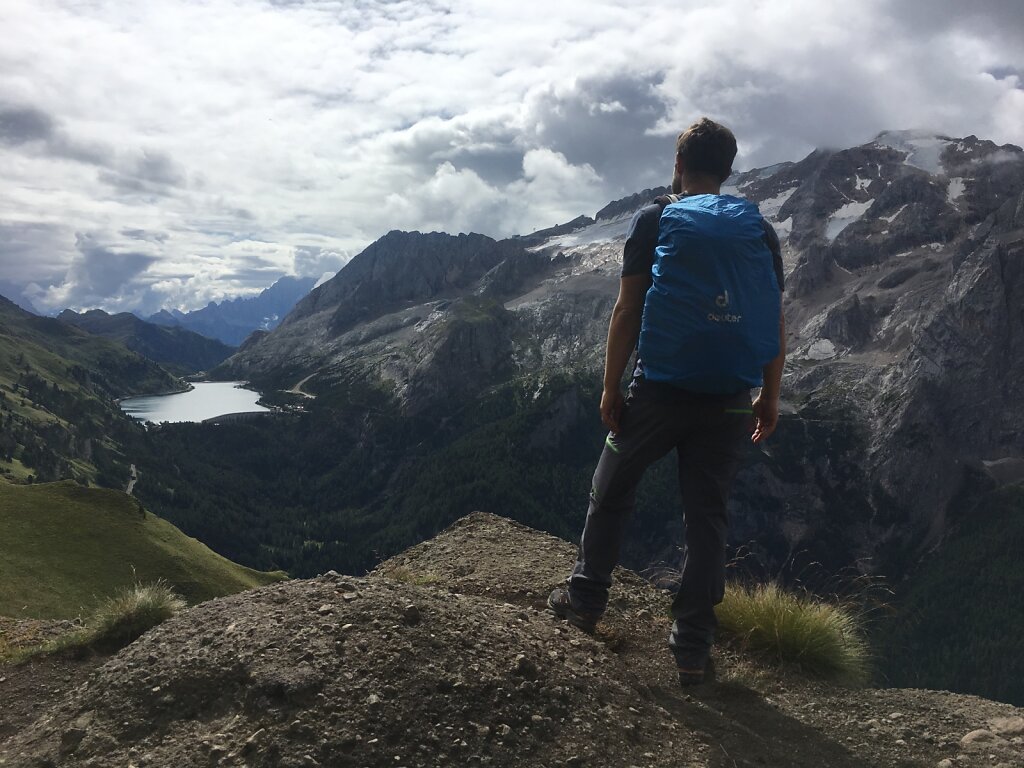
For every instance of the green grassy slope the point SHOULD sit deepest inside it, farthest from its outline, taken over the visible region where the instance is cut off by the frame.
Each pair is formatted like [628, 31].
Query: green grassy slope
[104, 365]
[58, 417]
[65, 547]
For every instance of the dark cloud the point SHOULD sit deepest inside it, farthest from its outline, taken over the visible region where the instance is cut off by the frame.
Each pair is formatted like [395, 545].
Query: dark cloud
[495, 164]
[600, 122]
[605, 123]
[1003, 73]
[25, 124]
[241, 213]
[90, 153]
[19, 125]
[145, 234]
[32, 251]
[149, 173]
[159, 168]
[492, 149]
[99, 273]
[775, 121]
[1001, 18]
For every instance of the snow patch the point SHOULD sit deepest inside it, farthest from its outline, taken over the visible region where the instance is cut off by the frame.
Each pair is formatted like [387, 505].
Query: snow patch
[844, 217]
[955, 189]
[604, 231]
[862, 184]
[923, 150]
[771, 206]
[822, 349]
[891, 218]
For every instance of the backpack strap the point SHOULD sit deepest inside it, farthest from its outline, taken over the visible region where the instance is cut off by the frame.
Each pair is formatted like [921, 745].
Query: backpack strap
[771, 239]
[665, 200]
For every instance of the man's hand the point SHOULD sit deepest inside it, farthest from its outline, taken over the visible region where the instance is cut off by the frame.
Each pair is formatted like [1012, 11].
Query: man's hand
[611, 408]
[623, 330]
[766, 416]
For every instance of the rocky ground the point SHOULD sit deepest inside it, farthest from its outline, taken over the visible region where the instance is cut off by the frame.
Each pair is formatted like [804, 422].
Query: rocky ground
[446, 656]
[30, 689]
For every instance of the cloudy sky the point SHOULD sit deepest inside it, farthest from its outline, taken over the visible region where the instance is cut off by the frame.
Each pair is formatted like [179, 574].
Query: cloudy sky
[165, 153]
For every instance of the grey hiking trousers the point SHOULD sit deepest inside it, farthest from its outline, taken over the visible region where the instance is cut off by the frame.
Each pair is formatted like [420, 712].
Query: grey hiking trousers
[708, 433]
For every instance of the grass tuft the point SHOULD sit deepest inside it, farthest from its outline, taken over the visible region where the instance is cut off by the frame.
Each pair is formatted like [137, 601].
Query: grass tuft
[407, 575]
[116, 622]
[795, 629]
[133, 611]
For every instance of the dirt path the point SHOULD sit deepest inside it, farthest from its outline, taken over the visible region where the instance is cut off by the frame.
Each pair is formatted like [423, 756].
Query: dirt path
[297, 389]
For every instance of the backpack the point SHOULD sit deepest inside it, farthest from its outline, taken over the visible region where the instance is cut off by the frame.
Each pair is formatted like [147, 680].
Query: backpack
[711, 316]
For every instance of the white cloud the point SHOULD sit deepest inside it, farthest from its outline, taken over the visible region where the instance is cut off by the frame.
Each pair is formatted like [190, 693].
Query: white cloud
[233, 141]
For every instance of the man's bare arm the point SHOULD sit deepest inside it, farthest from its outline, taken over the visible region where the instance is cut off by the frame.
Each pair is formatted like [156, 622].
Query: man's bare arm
[766, 407]
[623, 331]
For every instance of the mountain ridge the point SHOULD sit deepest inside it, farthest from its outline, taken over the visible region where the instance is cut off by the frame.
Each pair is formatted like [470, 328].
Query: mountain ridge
[176, 348]
[58, 386]
[231, 321]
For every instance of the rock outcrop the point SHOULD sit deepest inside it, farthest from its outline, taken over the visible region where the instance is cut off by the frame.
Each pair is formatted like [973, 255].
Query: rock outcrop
[443, 656]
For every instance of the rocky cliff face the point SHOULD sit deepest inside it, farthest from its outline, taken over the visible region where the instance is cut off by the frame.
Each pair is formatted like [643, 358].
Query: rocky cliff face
[418, 313]
[905, 335]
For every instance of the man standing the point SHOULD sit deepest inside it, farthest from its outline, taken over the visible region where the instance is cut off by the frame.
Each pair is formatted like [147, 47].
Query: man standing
[701, 292]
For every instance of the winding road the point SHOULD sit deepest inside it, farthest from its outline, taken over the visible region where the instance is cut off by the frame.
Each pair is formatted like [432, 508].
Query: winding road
[297, 389]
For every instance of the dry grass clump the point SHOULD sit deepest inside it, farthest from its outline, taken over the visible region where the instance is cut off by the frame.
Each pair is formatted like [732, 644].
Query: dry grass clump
[131, 612]
[799, 630]
[117, 621]
[408, 576]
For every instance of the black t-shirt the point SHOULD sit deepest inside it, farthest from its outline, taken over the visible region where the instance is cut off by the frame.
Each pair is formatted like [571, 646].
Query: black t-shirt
[642, 239]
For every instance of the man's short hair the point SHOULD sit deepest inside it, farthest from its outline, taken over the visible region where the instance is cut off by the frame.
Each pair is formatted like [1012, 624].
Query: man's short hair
[707, 147]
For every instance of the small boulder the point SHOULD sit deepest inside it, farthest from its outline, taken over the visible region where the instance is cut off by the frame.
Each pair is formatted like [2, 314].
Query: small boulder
[979, 736]
[1008, 726]
[525, 667]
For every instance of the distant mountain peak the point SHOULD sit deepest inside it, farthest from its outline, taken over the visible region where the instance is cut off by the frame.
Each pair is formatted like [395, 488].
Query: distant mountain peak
[232, 320]
[935, 152]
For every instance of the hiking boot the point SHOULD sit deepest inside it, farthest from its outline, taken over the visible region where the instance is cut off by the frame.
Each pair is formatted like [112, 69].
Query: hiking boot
[559, 603]
[688, 677]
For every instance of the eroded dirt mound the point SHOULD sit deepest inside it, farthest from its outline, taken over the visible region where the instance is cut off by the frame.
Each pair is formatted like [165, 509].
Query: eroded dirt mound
[498, 558]
[362, 672]
[445, 657]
